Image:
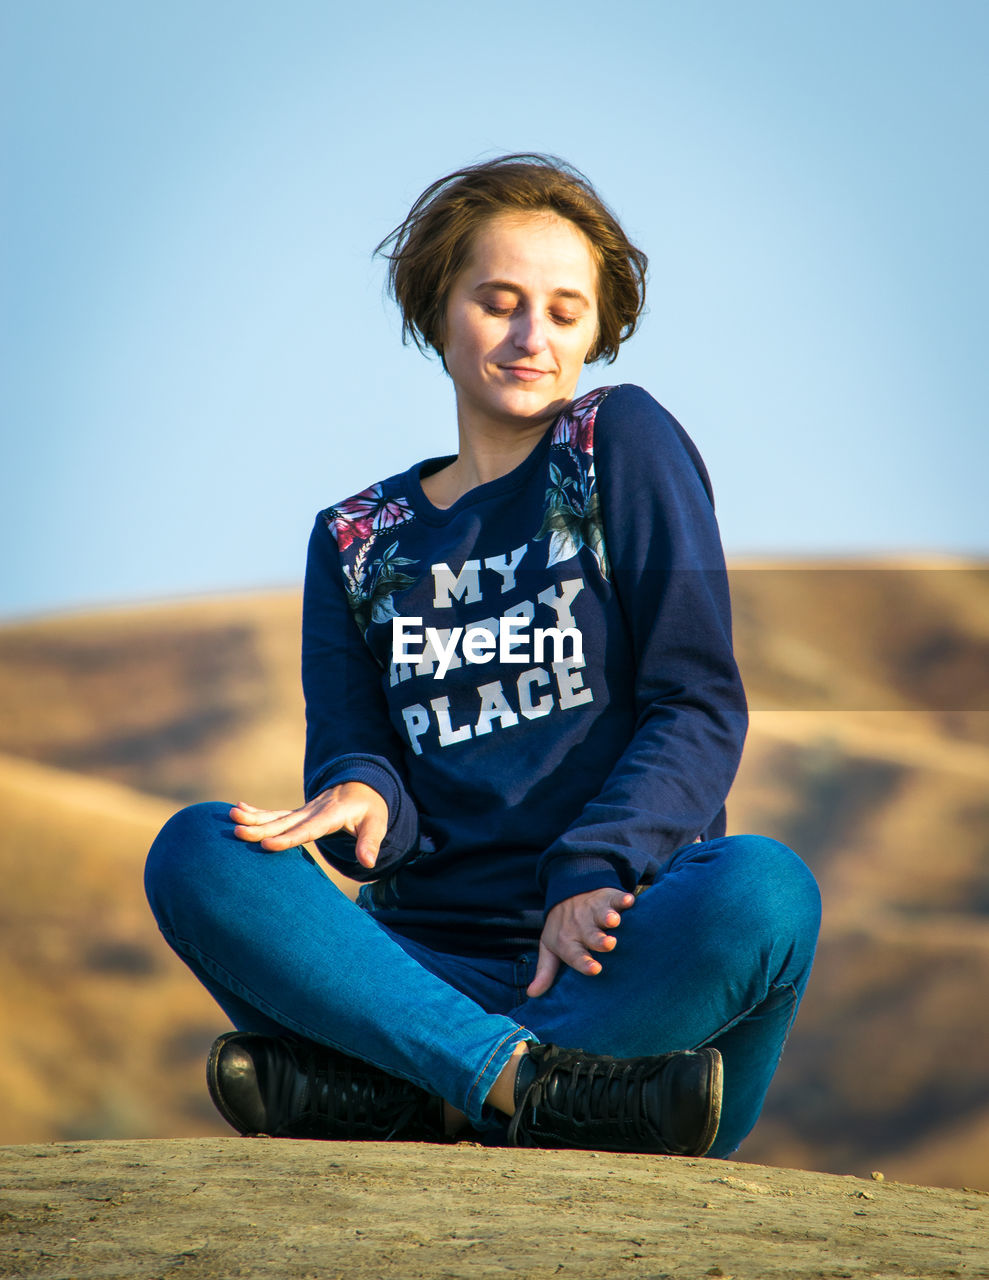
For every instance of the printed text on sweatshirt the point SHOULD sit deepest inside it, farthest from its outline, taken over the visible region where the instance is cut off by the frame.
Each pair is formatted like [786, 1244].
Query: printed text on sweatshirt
[516, 777]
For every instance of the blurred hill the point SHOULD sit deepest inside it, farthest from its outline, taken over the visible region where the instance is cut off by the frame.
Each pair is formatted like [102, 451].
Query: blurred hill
[868, 753]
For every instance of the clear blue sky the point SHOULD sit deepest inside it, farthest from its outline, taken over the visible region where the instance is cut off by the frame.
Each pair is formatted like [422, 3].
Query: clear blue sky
[197, 353]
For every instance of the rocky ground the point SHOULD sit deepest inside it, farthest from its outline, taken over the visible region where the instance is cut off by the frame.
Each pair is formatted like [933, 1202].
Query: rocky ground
[219, 1208]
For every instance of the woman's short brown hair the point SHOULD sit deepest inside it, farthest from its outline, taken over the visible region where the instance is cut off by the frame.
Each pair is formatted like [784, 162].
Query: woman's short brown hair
[433, 244]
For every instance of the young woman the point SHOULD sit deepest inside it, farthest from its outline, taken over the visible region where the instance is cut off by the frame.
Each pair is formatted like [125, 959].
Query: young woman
[523, 718]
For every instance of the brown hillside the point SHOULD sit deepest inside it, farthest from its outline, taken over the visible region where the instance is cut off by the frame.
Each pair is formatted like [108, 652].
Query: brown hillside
[181, 700]
[189, 699]
[102, 1026]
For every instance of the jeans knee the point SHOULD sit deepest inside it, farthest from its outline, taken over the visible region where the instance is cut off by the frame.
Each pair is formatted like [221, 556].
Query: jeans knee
[782, 871]
[184, 852]
[783, 898]
[759, 888]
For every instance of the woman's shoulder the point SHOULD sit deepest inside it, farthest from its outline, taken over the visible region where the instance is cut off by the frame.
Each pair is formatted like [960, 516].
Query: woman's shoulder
[628, 398]
[631, 414]
[377, 506]
[634, 427]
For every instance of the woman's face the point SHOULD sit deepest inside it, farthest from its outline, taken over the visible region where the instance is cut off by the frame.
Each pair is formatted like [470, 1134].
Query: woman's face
[520, 318]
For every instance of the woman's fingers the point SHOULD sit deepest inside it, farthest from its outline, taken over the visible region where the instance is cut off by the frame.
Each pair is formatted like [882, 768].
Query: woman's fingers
[592, 935]
[581, 960]
[249, 815]
[606, 920]
[301, 827]
[617, 903]
[254, 814]
[279, 829]
[267, 825]
[547, 968]
[606, 914]
[574, 928]
[370, 833]
[594, 914]
[573, 950]
[352, 806]
[276, 825]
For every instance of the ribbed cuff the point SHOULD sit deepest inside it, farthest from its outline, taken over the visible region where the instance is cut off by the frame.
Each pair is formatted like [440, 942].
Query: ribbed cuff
[357, 768]
[579, 874]
[341, 846]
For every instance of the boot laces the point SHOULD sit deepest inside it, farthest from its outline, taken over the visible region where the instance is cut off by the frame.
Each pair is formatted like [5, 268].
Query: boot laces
[351, 1095]
[583, 1089]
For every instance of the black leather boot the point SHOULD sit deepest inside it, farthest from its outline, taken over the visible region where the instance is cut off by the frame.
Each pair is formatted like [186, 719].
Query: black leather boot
[668, 1104]
[294, 1088]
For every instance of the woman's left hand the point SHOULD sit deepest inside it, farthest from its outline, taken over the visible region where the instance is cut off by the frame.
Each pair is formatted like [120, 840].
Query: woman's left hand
[575, 927]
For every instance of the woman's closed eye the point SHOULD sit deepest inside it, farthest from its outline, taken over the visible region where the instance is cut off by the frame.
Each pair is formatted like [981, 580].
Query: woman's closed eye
[504, 312]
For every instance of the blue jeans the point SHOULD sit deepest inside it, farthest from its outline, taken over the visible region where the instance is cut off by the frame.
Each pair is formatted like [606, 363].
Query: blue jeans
[716, 951]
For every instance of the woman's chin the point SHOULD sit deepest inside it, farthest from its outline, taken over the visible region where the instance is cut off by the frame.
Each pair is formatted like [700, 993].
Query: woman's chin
[530, 401]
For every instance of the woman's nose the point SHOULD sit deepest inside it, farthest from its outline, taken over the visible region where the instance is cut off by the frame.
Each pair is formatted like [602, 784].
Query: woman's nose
[529, 332]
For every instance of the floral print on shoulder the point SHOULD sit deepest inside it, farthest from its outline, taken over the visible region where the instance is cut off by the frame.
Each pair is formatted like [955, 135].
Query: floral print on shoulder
[575, 426]
[357, 518]
[573, 509]
[356, 524]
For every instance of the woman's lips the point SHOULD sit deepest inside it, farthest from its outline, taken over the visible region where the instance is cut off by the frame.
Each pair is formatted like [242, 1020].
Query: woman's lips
[523, 374]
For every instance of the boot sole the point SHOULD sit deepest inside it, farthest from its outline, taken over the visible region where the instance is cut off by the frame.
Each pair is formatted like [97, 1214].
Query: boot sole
[717, 1079]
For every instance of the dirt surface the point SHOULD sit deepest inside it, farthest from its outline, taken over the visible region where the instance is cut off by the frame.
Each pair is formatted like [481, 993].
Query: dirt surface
[292, 1210]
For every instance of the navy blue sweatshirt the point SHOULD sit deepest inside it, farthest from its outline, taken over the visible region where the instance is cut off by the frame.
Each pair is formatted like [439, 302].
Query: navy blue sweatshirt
[522, 775]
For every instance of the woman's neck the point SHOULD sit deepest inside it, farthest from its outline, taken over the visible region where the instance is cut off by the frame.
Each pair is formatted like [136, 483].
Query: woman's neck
[486, 452]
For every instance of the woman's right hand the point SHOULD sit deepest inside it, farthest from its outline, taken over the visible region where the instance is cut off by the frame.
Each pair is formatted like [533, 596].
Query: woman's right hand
[348, 806]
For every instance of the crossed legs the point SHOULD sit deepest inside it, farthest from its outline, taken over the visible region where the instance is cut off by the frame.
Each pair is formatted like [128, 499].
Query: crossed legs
[716, 952]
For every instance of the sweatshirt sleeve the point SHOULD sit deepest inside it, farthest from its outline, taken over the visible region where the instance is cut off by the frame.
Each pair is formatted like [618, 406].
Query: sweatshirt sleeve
[349, 735]
[669, 785]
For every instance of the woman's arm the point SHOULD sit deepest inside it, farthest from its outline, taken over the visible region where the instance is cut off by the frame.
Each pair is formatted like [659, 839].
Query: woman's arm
[349, 736]
[667, 567]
